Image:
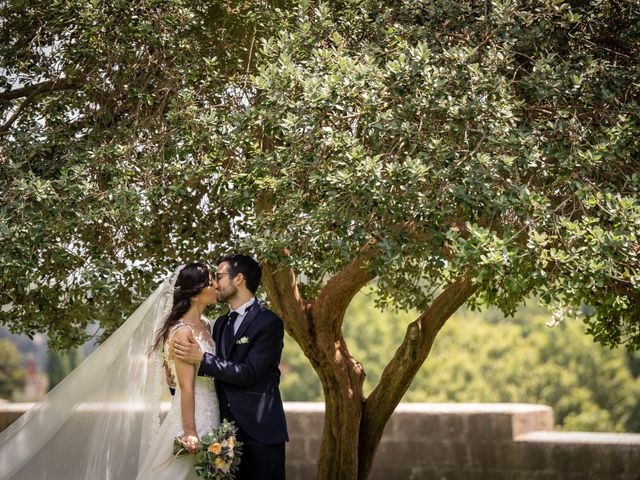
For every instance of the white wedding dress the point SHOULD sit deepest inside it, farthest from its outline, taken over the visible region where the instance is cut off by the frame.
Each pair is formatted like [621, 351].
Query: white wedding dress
[103, 421]
[160, 464]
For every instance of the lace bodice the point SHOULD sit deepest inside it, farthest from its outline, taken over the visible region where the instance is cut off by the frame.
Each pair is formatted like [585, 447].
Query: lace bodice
[207, 412]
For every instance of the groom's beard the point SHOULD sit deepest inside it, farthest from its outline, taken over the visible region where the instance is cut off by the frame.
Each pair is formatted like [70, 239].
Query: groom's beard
[226, 294]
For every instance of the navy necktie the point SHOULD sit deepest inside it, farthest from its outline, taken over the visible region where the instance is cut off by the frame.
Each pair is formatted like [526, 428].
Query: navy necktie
[228, 334]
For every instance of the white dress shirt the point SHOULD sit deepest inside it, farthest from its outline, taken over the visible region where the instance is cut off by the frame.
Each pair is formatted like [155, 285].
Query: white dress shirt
[242, 312]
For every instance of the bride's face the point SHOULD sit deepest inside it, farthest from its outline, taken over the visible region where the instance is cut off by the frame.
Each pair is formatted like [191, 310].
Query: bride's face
[209, 294]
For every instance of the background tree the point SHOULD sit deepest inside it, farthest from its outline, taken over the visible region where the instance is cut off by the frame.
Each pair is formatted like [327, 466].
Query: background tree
[57, 367]
[455, 152]
[75, 358]
[483, 357]
[12, 375]
[60, 364]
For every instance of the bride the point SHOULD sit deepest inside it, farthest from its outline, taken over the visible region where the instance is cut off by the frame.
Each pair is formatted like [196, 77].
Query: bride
[103, 421]
[194, 410]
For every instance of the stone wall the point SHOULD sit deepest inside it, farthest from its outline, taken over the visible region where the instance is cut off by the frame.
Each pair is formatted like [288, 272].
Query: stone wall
[462, 441]
[473, 442]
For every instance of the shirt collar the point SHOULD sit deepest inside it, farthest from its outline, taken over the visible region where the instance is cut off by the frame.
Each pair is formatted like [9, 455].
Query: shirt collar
[242, 309]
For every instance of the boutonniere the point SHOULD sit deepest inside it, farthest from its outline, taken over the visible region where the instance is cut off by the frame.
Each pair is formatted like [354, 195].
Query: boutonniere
[242, 340]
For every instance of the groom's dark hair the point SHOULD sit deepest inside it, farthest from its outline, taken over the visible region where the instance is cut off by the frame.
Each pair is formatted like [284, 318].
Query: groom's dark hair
[245, 265]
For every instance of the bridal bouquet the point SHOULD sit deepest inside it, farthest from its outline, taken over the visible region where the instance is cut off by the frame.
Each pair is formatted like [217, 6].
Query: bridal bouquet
[218, 453]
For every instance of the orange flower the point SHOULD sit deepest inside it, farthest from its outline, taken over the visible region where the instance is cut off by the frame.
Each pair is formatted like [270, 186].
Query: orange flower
[221, 464]
[215, 448]
[231, 442]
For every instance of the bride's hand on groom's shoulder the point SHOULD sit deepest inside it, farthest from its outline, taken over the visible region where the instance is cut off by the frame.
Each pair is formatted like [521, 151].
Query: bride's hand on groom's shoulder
[187, 349]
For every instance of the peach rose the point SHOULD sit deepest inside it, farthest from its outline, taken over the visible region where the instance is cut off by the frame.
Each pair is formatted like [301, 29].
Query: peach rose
[215, 448]
[221, 464]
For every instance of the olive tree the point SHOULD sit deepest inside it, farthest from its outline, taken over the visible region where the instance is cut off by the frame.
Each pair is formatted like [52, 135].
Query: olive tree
[452, 152]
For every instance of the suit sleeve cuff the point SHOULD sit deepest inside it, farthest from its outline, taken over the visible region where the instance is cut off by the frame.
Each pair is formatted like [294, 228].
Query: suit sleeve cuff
[204, 370]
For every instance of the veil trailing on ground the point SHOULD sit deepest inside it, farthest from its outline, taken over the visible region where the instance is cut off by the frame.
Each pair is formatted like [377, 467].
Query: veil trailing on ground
[98, 423]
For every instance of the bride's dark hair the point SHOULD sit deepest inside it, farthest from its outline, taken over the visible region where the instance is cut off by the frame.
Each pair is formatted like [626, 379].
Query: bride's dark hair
[192, 279]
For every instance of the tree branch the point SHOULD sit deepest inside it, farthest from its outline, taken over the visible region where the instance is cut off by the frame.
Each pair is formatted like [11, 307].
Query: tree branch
[31, 92]
[335, 296]
[14, 116]
[418, 341]
[43, 87]
[408, 359]
[282, 288]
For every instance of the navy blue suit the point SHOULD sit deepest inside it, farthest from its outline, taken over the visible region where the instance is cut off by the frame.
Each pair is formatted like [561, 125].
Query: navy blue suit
[247, 378]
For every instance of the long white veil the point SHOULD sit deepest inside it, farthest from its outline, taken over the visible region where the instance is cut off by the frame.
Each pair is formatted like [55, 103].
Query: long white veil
[99, 421]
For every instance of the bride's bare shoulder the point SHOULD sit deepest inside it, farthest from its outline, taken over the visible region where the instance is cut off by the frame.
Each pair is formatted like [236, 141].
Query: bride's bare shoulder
[181, 330]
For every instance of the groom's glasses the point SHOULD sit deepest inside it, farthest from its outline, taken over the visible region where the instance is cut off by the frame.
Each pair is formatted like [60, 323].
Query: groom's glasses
[220, 274]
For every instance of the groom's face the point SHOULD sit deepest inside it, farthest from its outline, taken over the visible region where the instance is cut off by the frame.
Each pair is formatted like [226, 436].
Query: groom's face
[226, 286]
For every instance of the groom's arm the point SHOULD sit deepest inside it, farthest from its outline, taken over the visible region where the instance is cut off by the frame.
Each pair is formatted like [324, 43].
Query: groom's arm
[264, 349]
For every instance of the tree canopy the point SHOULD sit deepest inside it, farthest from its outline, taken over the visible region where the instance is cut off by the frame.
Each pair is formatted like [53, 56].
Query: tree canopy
[109, 165]
[498, 141]
[454, 152]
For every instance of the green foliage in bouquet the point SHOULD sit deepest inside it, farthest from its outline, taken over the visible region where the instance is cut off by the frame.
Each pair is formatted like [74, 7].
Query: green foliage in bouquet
[218, 453]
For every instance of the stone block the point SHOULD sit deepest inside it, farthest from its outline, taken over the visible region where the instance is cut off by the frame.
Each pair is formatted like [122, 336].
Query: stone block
[8, 417]
[526, 456]
[460, 454]
[502, 427]
[452, 474]
[406, 453]
[302, 450]
[441, 453]
[572, 458]
[445, 453]
[295, 451]
[479, 427]
[300, 472]
[606, 459]
[535, 475]
[486, 455]
[386, 473]
[312, 448]
[453, 426]
[632, 461]
[435, 473]
[630, 476]
[493, 426]
[539, 420]
[488, 474]
[584, 476]
[305, 423]
[414, 425]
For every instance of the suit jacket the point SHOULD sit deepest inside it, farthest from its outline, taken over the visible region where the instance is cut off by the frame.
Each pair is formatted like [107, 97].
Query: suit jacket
[249, 376]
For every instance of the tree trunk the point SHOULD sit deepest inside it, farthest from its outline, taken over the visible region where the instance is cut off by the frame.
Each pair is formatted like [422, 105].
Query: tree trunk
[342, 379]
[353, 425]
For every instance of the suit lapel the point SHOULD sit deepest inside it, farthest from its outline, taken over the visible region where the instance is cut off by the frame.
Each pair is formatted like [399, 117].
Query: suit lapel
[218, 326]
[248, 320]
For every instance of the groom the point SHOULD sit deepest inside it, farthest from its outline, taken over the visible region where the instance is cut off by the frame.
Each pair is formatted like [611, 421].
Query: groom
[249, 342]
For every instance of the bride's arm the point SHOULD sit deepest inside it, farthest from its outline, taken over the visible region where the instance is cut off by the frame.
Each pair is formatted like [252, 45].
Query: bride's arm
[264, 352]
[186, 374]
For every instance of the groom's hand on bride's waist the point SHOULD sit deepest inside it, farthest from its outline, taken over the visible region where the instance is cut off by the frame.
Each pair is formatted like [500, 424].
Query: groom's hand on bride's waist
[187, 350]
